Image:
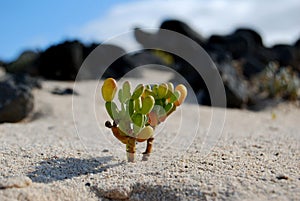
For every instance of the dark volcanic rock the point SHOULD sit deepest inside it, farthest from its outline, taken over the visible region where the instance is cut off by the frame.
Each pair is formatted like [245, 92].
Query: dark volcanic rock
[2, 64]
[240, 58]
[236, 46]
[108, 61]
[237, 92]
[58, 62]
[25, 63]
[119, 67]
[244, 45]
[255, 63]
[236, 89]
[284, 54]
[64, 91]
[103, 60]
[251, 36]
[128, 62]
[27, 80]
[239, 44]
[16, 100]
[296, 63]
[62, 61]
[182, 28]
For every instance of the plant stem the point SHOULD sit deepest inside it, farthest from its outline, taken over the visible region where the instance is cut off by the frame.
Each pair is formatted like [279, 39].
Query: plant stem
[115, 130]
[130, 149]
[146, 154]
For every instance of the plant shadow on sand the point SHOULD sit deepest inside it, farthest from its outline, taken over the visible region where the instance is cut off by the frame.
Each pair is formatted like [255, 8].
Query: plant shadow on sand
[66, 168]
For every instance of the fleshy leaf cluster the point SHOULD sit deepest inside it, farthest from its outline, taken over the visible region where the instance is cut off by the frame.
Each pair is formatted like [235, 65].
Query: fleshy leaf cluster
[143, 108]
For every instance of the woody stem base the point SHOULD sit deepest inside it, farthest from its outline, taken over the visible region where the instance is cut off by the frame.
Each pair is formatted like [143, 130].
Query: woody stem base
[148, 150]
[130, 149]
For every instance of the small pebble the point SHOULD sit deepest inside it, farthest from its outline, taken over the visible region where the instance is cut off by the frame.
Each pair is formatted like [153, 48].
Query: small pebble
[280, 177]
[118, 193]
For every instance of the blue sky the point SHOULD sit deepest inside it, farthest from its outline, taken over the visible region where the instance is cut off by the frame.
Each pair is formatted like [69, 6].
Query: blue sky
[36, 24]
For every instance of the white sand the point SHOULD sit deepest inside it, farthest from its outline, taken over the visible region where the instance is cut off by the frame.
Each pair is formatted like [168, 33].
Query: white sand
[256, 157]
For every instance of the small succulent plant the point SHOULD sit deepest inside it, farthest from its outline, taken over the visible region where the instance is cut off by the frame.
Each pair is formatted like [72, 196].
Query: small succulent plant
[280, 82]
[140, 111]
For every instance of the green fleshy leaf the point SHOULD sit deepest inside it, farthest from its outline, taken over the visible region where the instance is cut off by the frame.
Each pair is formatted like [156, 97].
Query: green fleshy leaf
[147, 104]
[124, 126]
[161, 112]
[121, 96]
[138, 91]
[112, 110]
[145, 133]
[174, 96]
[138, 104]
[138, 122]
[126, 90]
[130, 107]
[109, 88]
[168, 107]
[148, 92]
[170, 89]
[154, 90]
[162, 90]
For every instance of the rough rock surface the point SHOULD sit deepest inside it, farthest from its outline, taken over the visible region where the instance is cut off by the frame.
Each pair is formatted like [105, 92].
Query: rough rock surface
[16, 99]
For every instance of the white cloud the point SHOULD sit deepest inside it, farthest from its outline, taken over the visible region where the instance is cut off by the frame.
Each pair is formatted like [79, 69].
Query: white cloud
[276, 20]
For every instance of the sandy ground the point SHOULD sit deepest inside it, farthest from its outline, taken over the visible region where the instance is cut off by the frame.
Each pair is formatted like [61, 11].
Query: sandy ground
[256, 156]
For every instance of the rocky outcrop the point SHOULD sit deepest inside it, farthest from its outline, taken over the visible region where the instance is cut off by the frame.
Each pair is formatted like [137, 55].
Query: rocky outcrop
[16, 98]
[58, 62]
[27, 62]
[62, 61]
[240, 57]
[182, 28]
[236, 88]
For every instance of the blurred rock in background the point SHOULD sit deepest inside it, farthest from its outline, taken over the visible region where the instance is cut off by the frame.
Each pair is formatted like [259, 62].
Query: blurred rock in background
[240, 57]
[16, 98]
